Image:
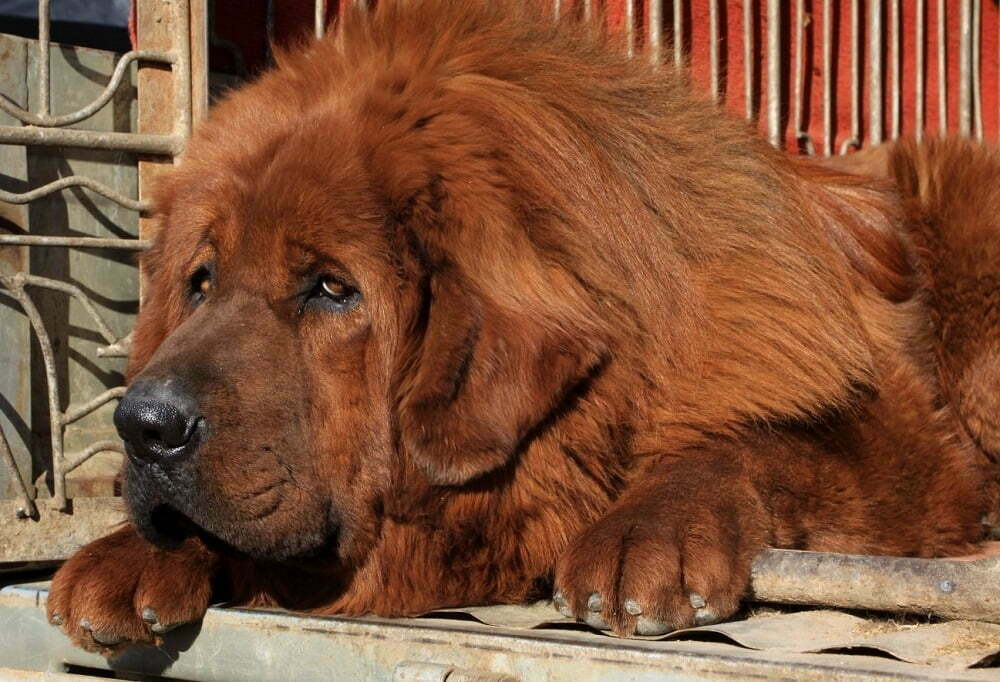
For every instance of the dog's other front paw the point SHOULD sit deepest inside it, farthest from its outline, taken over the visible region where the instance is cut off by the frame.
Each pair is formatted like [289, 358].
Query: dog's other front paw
[121, 590]
[649, 568]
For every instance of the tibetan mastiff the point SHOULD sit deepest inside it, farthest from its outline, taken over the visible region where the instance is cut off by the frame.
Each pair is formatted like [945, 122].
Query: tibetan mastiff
[461, 305]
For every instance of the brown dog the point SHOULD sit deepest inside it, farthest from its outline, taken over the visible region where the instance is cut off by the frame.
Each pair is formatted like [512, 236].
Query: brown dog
[457, 307]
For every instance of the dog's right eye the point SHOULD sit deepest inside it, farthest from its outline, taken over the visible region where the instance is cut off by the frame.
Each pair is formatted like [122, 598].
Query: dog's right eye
[200, 284]
[333, 294]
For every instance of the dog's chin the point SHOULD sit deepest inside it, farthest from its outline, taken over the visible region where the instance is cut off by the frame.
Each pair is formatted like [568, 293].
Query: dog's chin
[168, 528]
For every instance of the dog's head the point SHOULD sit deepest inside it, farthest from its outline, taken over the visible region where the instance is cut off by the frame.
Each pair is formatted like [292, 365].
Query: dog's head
[348, 298]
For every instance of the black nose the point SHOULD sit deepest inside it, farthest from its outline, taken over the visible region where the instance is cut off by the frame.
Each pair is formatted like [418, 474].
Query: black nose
[158, 420]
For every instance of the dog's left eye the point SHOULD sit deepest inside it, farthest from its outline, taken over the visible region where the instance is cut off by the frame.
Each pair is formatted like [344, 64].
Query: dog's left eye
[200, 284]
[333, 293]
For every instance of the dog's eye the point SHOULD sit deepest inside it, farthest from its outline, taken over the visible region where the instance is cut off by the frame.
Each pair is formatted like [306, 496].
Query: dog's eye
[335, 294]
[201, 284]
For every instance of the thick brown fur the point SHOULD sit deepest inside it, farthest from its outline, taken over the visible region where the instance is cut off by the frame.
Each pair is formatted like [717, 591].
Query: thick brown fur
[609, 341]
[951, 189]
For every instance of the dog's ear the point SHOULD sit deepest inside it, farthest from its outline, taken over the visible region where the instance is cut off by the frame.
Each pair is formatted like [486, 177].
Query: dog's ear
[504, 337]
[483, 381]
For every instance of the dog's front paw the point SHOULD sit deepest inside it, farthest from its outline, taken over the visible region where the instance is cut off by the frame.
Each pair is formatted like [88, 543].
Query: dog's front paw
[648, 569]
[121, 590]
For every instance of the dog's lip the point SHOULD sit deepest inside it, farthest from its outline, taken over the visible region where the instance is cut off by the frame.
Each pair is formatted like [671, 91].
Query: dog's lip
[171, 528]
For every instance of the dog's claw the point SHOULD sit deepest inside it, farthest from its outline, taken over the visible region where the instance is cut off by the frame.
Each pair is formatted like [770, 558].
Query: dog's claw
[705, 616]
[106, 639]
[160, 628]
[85, 624]
[648, 628]
[697, 601]
[559, 601]
[595, 621]
[595, 603]
[149, 615]
[56, 619]
[632, 607]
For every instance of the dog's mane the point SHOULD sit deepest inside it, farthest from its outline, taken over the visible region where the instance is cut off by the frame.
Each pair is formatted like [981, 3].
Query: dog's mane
[733, 281]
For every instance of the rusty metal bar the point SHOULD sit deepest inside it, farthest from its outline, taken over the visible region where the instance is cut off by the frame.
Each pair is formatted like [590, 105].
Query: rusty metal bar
[630, 27]
[774, 72]
[21, 279]
[75, 242]
[749, 75]
[964, 68]
[119, 349]
[977, 84]
[828, 127]
[72, 461]
[801, 134]
[182, 72]
[15, 287]
[46, 120]
[713, 47]
[939, 587]
[198, 57]
[654, 31]
[894, 69]
[678, 34]
[27, 508]
[942, 52]
[77, 412]
[855, 139]
[319, 19]
[874, 72]
[44, 40]
[919, 86]
[167, 145]
[74, 181]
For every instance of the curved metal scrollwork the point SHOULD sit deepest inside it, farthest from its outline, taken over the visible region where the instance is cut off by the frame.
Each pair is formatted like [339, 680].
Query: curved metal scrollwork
[42, 127]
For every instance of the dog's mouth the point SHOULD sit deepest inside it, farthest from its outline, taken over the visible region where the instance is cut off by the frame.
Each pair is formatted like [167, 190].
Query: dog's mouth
[168, 527]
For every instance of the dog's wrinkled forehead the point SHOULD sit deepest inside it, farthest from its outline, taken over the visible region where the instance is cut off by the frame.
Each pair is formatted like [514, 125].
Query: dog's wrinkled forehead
[277, 213]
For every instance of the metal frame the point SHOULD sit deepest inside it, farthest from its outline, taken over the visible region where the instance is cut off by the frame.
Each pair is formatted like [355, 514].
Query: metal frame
[45, 128]
[245, 644]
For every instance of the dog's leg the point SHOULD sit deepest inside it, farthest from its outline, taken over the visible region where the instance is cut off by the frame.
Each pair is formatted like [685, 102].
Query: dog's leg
[121, 590]
[675, 550]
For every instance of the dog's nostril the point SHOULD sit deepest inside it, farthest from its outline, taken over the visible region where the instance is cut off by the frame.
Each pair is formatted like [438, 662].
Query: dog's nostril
[158, 420]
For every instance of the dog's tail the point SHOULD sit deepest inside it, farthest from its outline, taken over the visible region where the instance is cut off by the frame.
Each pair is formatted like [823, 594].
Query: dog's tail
[951, 190]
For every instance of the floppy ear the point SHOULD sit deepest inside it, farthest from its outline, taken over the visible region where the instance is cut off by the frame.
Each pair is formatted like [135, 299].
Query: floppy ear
[483, 381]
[504, 338]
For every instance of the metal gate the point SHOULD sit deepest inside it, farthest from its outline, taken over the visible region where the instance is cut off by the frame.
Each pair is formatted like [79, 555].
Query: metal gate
[44, 387]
